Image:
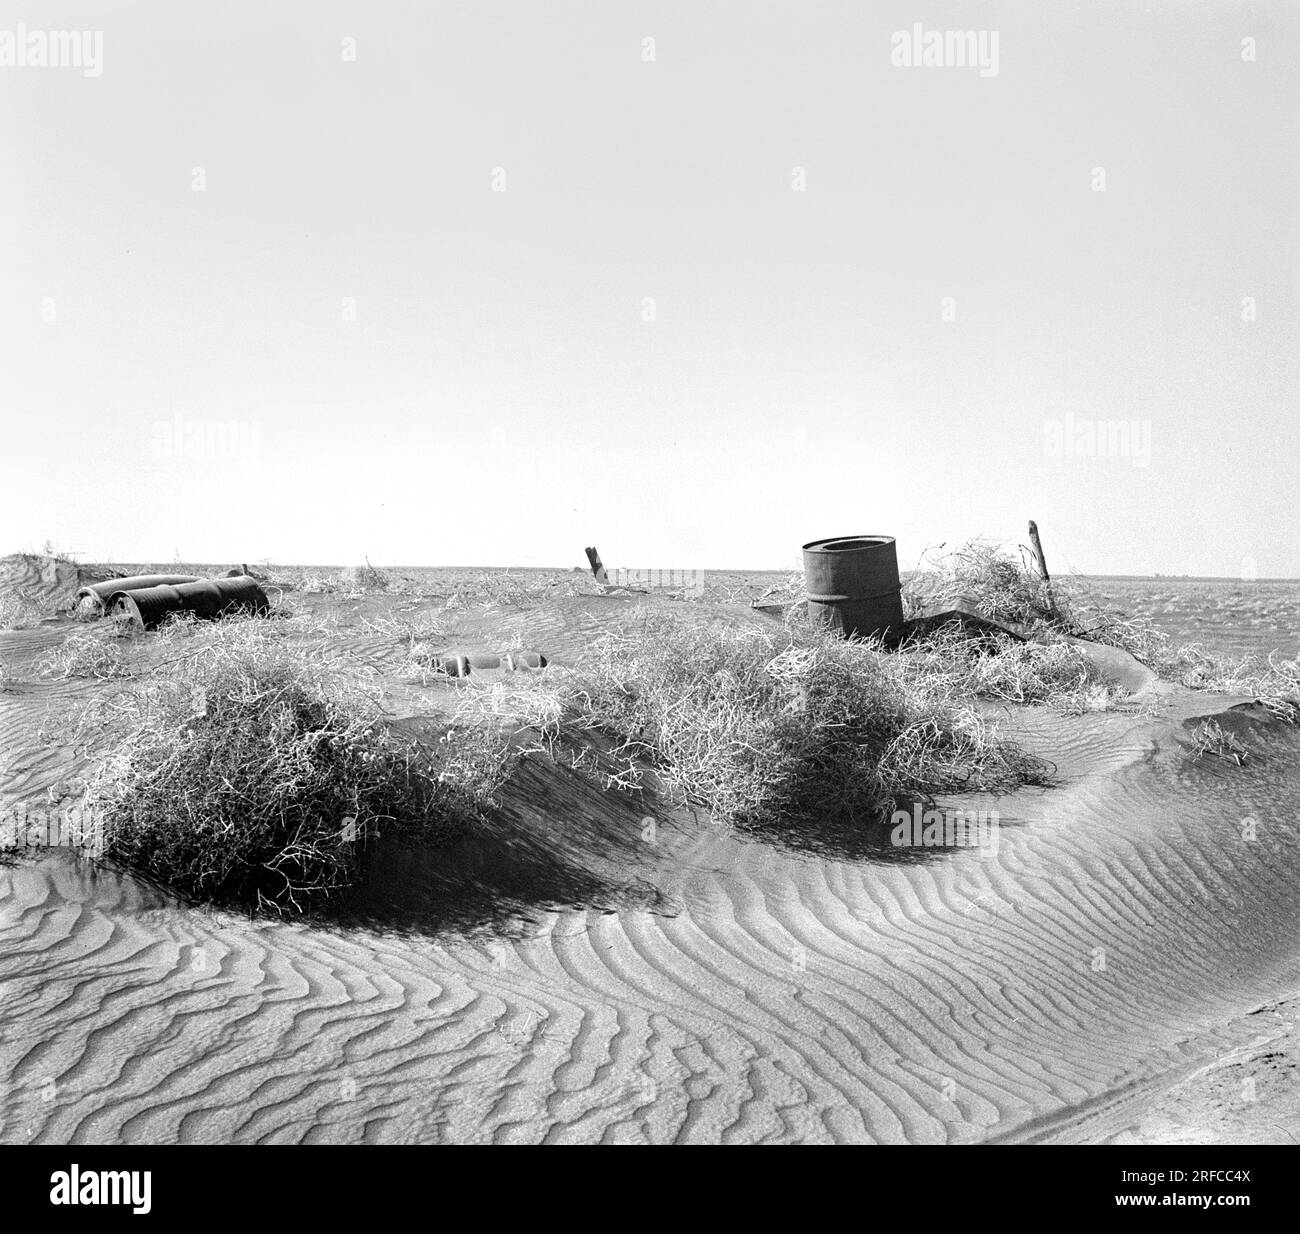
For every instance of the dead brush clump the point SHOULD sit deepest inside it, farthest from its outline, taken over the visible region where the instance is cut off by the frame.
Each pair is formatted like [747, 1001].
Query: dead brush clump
[422, 660]
[533, 706]
[1054, 674]
[320, 585]
[761, 726]
[408, 624]
[1001, 586]
[306, 621]
[309, 582]
[1007, 588]
[420, 636]
[103, 651]
[366, 578]
[1275, 682]
[789, 589]
[247, 771]
[1212, 740]
[351, 581]
[21, 612]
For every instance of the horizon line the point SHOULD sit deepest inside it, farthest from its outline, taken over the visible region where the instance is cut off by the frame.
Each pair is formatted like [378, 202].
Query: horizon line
[583, 569]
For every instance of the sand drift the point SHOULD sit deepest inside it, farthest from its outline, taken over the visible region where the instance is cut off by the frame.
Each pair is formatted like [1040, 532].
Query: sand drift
[593, 968]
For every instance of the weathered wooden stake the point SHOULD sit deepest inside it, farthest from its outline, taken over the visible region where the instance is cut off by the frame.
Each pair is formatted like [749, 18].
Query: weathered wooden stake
[1042, 567]
[597, 569]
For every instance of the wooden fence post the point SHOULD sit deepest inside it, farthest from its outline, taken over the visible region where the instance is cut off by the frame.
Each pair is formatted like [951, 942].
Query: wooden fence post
[1042, 567]
[597, 569]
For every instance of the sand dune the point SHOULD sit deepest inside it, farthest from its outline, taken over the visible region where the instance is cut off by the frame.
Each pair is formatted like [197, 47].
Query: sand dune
[561, 978]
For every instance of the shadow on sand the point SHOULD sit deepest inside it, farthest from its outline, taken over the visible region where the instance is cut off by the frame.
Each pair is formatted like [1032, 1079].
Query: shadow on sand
[871, 840]
[558, 840]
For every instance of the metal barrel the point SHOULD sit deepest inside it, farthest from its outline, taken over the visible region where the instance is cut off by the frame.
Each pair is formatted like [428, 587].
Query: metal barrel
[853, 584]
[97, 595]
[205, 598]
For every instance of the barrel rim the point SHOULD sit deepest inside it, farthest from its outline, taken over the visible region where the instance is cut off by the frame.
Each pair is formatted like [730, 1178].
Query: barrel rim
[130, 611]
[820, 546]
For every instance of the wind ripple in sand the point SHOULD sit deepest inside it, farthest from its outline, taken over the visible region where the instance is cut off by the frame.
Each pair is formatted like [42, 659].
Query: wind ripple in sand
[703, 988]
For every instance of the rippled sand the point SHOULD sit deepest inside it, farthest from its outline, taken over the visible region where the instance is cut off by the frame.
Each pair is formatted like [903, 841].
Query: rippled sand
[1120, 964]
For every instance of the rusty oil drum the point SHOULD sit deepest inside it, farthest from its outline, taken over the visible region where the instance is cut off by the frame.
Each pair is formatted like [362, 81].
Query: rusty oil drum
[853, 584]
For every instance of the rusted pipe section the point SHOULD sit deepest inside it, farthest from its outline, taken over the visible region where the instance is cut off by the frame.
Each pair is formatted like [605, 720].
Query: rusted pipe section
[96, 596]
[518, 660]
[454, 665]
[205, 598]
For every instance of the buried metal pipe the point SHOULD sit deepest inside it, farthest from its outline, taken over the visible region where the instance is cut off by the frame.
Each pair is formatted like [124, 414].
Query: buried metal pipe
[462, 666]
[205, 598]
[522, 660]
[96, 596]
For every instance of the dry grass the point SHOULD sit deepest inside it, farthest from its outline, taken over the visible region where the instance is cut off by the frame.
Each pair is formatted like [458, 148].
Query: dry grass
[20, 612]
[1056, 674]
[1001, 585]
[1009, 589]
[456, 588]
[103, 651]
[249, 771]
[254, 765]
[309, 582]
[367, 578]
[1213, 741]
[423, 660]
[791, 588]
[764, 726]
[348, 583]
[1275, 682]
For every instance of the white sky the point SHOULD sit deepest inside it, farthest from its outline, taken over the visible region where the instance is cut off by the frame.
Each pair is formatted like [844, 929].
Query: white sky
[499, 398]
